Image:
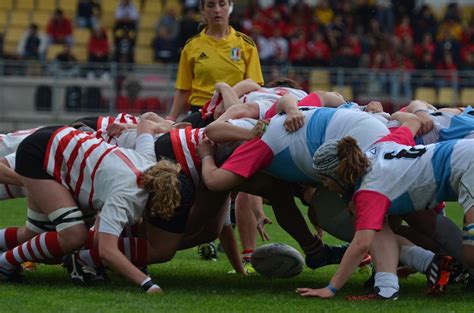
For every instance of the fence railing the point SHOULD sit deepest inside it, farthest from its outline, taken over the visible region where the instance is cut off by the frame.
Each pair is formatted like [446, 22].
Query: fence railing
[44, 93]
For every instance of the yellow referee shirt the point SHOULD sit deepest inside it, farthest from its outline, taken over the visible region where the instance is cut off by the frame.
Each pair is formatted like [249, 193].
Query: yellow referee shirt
[205, 61]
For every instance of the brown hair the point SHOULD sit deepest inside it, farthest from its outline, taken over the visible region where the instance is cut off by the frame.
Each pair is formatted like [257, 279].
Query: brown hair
[203, 3]
[284, 82]
[161, 181]
[353, 162]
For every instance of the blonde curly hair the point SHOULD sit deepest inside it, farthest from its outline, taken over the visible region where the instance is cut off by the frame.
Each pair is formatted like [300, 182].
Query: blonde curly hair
[161, 181]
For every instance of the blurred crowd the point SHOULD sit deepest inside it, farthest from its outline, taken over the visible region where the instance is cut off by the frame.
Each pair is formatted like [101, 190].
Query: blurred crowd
[378, 34]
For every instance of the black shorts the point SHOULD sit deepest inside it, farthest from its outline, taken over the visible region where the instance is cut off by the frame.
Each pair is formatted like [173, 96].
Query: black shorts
[90, 121]
[164, 148]
[31, 153]
[196, 120]
[176, 224]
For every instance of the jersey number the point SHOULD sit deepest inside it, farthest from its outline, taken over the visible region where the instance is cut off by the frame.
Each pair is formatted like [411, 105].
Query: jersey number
[411, 153]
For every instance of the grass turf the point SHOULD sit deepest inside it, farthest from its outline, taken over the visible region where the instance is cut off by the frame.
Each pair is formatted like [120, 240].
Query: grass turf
[192, 285]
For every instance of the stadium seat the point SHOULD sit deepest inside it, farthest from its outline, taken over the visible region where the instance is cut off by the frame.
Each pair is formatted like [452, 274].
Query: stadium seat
[80, 53]
[41, 18]
[14, 35]
[3, 20]
[152, 7]
[427, 94]
[148, 21]
[27, 5]
[6, 5]
[447, 97]
[467, 96]
[20, 19]
[47, 5]
[346, 91]
[175, 5]
[143, 56]
[53, 51]
[81, 36]
[107, 19]
[10, 48]
[108, 6]
[144, 38]
[320, 79]
[70, 6]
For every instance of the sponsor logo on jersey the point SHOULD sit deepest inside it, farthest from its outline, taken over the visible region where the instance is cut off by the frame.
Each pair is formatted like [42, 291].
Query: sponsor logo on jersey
[235, 54]
[202, 56]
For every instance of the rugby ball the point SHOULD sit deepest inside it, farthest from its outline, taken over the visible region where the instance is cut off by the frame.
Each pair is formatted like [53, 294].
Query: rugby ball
[277, 260]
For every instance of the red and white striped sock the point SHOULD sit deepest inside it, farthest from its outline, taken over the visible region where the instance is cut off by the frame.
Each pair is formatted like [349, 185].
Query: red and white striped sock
[42, 247]
[8, 238]
[247, 255]
[135, 249]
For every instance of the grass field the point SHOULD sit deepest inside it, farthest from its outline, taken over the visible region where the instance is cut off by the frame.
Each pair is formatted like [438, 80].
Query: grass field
[192, 285]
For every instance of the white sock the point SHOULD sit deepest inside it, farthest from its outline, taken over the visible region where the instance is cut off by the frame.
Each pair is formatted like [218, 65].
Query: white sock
[387, 284]
[416, 257]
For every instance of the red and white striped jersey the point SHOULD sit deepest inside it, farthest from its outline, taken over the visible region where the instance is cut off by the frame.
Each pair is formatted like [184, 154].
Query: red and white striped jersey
[10, 142]
[100, 176]
[103, 122]
[185, 142]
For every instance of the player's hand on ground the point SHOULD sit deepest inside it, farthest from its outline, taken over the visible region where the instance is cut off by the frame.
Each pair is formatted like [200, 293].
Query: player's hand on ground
[294, 121]
[116, 129]
[323, 293]
[374, 107]
[206, 147]
[261, 222]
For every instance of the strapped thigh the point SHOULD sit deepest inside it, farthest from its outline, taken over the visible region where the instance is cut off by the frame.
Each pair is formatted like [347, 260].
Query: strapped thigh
[64, 218]
[38, 222]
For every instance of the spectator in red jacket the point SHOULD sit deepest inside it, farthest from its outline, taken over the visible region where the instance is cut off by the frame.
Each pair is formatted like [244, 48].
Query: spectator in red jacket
[297, 54]
[98, 49]
[404, 28]
[426, 46]
[318, 50]
[60, 28]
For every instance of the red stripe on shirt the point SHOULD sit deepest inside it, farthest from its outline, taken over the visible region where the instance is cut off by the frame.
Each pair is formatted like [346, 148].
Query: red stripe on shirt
[99, 123]
[80, 180]
[130, 164]
[72, 158]
[192, 148]
[99, 161]
[178, 151]
[50, 143]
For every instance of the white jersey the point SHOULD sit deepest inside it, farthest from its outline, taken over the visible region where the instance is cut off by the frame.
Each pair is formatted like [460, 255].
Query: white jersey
[9, 142]
[266, 97]
[419, 177]
[293, 152]
[100, 176]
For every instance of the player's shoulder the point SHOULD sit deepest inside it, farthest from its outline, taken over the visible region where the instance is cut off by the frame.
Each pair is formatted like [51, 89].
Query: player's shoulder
[192, 40]
[247, 40]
